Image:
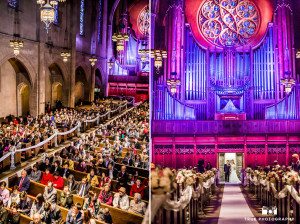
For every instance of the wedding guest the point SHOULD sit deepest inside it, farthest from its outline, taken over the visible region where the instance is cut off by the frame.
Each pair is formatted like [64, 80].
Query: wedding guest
[45, 165]
[92, 178]
[58, 181]
[123, 177]
[83, 188]
[56, 168]
[137, 187]
[50, 193]
[111, 172]
[35, 174]
[137, 205]
[88, 217]
[66, 198]
[106, 216]
[90, 203]
[14, 196]
[25, 204]
[3, 213]
[37, 219]
[72, 184]
[121, 199]
[200, 167]
[24, 182]
[52, 213]
[13, 216]
[46, 177]
[37, 206]
[4, 193]
[295, 162]
[208, 166]
[75, 215]
[106, 196]
[65, 171]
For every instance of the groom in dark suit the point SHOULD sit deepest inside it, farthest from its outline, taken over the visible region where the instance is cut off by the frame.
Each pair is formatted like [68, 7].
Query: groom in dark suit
[227, 171]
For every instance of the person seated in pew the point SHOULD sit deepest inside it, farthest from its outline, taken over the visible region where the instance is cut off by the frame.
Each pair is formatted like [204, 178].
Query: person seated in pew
[58, 181]
[127, 159]
[83, 188]
[121, 199]
[24, 182]
[137, 205]
[92, 178]
[56, 167]
[88, 217]
[104, 180]
[37, 219]
[51, 214]
[46, 177]
[91, 203]
[35, 174]
[4, 193]
[111, 172]
[75, 215]
[24, 204]
[3, 213]
[46, 164]
[137, 187]
[81, 166]
[66, 198]
[13, 216]
[105, 195]
[123, 178]
[88, 157]
[58, 158]
[14, 196]
[37, 206]
[105, 216]
[137, 144]
[65, 172]
[50, 193]
[72, 184]
[108, 160]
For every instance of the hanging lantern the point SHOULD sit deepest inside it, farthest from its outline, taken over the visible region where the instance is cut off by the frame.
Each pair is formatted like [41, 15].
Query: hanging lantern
[172, 83]
[16, 45]
[288, 84]
[47, 15]
[158, 56]
[65, 56]
[144, 54]
[93, 61]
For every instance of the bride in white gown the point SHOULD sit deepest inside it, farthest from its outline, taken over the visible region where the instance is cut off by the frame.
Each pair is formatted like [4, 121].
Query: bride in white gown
[233, 178]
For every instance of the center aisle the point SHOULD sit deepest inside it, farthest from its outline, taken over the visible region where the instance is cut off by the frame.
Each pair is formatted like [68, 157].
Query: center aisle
[234, 208]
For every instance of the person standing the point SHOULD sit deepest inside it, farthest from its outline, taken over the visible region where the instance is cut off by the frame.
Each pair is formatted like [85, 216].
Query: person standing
[227, 170]
[295, 162]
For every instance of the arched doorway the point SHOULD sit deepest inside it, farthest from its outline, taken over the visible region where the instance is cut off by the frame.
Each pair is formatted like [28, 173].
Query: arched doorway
[55, 87]
[99, 87]
[23, 99]
[56, 92]
[81, 91]
[15, 88]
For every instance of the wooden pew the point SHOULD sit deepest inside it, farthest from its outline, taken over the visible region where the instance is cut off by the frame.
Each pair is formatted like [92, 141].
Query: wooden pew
[119, 216]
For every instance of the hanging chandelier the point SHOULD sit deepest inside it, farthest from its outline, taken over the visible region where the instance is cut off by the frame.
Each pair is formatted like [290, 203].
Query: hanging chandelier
[16, 45]
[288, 84]
[93, 61]
[172, 83]
[120, 40]
[158, 56]
[144, 55]
[48, 11]
[65, 56]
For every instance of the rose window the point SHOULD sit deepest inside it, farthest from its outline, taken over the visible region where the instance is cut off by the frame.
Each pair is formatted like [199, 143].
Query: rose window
[144, 21]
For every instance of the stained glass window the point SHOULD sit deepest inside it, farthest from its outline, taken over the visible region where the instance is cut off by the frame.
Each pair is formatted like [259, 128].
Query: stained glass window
[81, 17]
[229, 22]
[56, 15]
[13, 3]
[144, 21]
[99, 21]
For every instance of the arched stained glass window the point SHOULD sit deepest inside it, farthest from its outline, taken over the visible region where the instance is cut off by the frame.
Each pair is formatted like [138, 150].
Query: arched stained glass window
[99, 20]
[81, 17]
[144, 21]
[56, 15]
[13, 3]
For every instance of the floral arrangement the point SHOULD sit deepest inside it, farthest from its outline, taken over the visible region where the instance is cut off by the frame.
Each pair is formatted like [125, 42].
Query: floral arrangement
[272, 176]
[185, 176]
[248, 170]
[162, 181]
[290, 178]
[214, 170]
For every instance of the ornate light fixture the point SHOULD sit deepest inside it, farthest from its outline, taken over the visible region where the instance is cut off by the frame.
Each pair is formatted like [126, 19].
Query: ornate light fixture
[16, 45]
[173, 83]
[158, 56]
[93, 61]
[48, 11]
[144, 54]
[65, 56]
[288, 83]
[120, 39]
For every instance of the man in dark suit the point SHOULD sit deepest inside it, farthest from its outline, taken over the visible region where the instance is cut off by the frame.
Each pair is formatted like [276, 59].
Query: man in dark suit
[75, 215]
[295, 162]
[227, 171]
[123, 177]
[65, 172]
[83, 188]
[127, 160]
[111, 172]
[24, 182]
